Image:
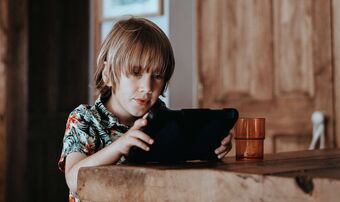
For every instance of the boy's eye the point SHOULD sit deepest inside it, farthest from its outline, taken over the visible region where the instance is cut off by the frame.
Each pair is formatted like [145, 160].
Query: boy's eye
[136, 71]
[157, 76]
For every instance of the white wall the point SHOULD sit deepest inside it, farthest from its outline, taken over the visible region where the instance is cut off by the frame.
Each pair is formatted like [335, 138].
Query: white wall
[182, 33]
[179, 23]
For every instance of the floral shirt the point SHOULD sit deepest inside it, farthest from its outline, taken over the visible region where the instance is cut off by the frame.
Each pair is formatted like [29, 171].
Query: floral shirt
[89, 129]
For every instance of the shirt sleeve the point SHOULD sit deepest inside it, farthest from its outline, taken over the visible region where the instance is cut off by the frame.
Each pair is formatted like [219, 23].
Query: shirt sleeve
[76, 137]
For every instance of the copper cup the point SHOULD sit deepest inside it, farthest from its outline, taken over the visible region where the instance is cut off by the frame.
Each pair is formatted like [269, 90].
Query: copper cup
[249, 134]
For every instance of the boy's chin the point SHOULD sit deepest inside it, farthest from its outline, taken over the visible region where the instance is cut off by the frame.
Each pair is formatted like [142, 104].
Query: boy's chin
[139, 113]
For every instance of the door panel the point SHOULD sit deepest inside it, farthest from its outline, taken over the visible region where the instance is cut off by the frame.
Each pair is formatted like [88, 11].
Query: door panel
[268, 59]
[336, 59]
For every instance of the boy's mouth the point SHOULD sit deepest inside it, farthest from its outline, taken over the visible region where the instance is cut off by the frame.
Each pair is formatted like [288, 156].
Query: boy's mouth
[141, 102]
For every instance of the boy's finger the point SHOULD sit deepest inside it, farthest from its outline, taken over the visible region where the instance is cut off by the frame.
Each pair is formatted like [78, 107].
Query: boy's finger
[220, 149]
[138, 143]
[227, 147]
[220, 156]
[142, 136]
[139, 123]
[232, 133]
[226, 140]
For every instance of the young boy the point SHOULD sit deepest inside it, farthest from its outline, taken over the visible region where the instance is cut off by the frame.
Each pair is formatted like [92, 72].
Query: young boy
[135, 64]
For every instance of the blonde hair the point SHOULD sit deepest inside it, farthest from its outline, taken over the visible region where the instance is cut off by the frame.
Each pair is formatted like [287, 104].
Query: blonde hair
[134, 42]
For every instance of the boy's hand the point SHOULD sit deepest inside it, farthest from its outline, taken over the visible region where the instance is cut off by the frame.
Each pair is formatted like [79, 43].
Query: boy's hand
[135, 137]
[225, 147]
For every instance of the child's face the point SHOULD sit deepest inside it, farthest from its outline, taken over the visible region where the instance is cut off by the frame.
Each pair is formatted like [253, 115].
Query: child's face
[136, 93]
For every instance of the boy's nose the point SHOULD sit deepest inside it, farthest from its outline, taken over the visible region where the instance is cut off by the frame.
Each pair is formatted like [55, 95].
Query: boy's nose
[145, 84]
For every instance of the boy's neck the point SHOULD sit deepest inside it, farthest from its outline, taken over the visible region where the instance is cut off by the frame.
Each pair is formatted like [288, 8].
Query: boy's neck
[123, 119]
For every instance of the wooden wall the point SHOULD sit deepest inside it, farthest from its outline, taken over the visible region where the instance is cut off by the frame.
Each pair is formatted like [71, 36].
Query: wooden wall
[58, 72]
[44, 51]
[336, 54]
[3, 65]
[14, 33]
[271, 59]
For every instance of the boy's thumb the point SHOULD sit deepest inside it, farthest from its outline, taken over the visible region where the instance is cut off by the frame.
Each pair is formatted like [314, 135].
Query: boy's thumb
[139, 123]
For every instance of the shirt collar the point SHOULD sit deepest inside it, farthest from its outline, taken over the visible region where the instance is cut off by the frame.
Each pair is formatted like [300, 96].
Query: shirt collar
[107, 118]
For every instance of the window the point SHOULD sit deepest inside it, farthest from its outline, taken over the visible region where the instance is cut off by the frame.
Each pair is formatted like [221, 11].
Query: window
[105, 12]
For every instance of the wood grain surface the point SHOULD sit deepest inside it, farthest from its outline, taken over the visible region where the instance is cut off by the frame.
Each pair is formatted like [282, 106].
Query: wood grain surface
[291, 176]
[270, 59]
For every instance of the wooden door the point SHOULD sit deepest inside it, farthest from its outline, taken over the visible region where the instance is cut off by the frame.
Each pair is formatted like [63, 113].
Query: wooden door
[3, 65]
[269, 59]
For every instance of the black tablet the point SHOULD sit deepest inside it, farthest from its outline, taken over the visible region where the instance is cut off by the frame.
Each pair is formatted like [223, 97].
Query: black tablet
[182, 135]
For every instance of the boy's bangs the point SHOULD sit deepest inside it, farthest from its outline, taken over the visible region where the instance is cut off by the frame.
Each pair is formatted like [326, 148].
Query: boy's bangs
[148, 57]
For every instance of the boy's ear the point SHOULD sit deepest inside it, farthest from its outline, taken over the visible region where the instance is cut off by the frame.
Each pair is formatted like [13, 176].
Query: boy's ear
[105, 75]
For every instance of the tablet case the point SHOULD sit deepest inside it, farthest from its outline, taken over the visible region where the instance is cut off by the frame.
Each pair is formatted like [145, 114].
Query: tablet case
[182, 135]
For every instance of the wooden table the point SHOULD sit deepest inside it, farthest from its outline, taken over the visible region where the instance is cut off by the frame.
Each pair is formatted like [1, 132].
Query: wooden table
[291, 176]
